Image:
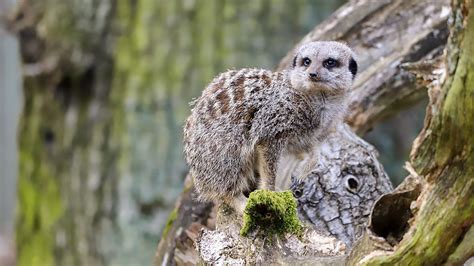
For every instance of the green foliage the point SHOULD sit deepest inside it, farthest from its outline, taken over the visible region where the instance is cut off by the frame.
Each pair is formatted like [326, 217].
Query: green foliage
[270, 211]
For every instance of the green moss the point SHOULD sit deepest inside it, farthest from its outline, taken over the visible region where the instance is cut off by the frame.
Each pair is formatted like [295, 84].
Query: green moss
[272, 212]
[170, 222]
[464, 250]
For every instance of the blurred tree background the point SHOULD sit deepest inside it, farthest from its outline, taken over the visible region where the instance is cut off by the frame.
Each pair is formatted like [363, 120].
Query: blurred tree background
[106, 91]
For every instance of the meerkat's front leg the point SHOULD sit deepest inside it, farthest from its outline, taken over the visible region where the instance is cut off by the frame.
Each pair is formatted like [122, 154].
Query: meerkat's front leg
[238, 203]
[267, 159]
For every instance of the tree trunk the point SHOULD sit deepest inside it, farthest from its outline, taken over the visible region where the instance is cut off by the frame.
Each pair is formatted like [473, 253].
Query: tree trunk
[382, 89]
[68, 134]
[441, 213]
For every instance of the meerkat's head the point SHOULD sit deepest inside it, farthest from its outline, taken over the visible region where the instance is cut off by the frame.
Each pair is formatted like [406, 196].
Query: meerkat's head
[325, 66]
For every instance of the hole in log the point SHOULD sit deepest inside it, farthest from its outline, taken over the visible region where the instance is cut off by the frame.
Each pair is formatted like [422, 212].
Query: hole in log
[352, 183]
[298, 193]
[297, 187]
[391, 214]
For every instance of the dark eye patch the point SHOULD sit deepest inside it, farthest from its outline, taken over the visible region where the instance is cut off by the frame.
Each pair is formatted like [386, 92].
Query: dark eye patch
[330, 63]
[306, 61]
[353, 67]
[294, 61]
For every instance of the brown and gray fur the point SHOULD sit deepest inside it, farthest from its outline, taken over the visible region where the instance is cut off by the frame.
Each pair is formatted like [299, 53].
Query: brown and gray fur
[246, 119]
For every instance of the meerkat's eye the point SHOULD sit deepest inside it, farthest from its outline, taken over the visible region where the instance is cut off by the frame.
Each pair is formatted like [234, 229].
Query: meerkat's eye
[330, 63]
[306, 61]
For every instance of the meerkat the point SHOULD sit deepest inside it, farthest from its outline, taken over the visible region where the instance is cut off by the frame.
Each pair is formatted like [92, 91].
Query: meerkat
[246, 119]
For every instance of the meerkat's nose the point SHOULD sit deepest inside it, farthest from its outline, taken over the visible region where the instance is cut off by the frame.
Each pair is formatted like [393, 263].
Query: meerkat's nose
[313, 76]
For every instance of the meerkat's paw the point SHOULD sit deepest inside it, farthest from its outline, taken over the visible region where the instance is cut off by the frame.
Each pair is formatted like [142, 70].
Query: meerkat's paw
[239, 203]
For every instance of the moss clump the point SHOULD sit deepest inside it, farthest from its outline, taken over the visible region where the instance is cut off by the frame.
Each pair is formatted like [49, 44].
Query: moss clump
[272, 212]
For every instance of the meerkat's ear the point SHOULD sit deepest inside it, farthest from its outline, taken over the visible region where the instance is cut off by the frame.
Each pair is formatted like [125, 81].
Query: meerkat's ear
[353, 67]
[294, 61]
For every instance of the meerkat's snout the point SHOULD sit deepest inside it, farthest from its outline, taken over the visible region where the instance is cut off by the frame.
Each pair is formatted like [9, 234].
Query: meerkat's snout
[314, 76]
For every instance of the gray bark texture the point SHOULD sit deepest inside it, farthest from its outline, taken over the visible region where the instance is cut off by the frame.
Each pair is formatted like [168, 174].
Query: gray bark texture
[386, 35]
[345, 181]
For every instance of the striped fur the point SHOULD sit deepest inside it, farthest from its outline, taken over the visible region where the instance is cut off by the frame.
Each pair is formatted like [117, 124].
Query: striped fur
[246, 119]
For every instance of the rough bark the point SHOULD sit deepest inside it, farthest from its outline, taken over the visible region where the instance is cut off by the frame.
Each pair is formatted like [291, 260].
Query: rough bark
[386, 34]
[344, 182]
[177, 243]
[436, 227]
